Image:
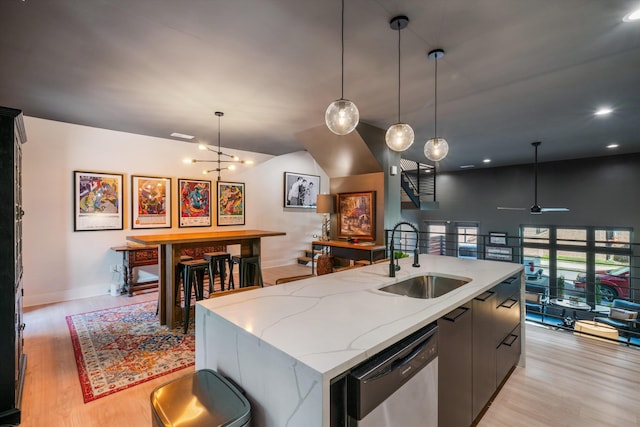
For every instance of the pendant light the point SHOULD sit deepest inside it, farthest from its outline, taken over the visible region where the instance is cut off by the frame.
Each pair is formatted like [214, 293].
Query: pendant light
[399, 137]
[436, 148]
[220, 153]
[342, 116]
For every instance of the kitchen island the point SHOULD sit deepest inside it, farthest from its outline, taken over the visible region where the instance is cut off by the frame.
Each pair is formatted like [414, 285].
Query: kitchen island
[284, 344]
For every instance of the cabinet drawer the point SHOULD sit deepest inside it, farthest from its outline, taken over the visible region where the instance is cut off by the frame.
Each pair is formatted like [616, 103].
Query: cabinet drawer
[507, 318]
[507, 289]
[145, 257]
[508, 354]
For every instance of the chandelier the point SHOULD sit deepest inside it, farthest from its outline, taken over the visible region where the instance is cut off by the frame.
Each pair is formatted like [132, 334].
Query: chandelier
[222, 157]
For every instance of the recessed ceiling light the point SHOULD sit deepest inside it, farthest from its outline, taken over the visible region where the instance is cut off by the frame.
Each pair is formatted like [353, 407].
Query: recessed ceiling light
[603, 111]
[486, 161]
[613, 145]
[467, 166]
[181, 135]
[633, 16]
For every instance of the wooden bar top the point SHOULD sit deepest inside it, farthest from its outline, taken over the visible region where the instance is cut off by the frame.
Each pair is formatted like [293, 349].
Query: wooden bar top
[364, 246]
[209, 236]
[133, 247]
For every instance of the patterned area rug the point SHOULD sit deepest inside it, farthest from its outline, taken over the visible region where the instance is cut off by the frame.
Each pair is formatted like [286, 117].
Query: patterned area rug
[121, 347]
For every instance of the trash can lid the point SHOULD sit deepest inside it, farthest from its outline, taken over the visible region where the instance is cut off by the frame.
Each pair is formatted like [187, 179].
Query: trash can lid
[199, 399]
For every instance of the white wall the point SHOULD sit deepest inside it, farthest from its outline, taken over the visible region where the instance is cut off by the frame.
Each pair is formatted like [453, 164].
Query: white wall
[60, 264]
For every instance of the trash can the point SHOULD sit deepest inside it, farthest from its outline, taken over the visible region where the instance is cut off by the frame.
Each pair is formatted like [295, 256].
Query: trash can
[203, 398]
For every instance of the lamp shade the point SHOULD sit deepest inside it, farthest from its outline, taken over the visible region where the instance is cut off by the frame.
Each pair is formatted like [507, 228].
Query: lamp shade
[342, 116]
[325, 203]
[399, 137]
[436, 149]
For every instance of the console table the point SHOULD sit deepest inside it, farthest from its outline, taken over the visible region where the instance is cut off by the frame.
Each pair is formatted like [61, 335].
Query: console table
[170, 247]
[136, 256]
[351, 251]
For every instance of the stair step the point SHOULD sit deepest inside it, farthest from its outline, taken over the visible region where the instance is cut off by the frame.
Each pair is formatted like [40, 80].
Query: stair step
[304, 259]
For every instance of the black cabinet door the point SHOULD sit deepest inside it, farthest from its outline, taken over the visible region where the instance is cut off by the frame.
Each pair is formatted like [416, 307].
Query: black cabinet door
[12, 136]
[454, 368]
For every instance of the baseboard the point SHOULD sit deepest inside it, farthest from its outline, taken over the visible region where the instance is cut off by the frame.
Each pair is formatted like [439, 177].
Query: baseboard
[66, 295]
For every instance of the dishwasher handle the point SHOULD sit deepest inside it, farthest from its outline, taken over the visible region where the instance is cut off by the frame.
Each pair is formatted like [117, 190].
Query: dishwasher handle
[401, 363]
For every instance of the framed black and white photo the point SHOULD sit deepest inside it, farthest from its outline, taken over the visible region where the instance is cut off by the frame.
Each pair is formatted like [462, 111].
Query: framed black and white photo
[497, 238]
[97, 201]
[300, 190]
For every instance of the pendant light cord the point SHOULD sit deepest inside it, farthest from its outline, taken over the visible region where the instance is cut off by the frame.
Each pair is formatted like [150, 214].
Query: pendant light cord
[342, 48]
[219, 150]
[535, 177]
[399, 31]
[435, 107]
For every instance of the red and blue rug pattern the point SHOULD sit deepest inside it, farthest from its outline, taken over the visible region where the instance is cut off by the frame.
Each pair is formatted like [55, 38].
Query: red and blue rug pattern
[121, 347]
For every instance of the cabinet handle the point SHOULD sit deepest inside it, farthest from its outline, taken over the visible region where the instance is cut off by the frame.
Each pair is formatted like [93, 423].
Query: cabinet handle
[513, 302]
[485, 296]
[512, 339]
[459, 312]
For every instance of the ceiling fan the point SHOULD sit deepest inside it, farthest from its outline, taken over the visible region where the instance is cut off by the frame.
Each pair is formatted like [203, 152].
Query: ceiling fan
[535, 209]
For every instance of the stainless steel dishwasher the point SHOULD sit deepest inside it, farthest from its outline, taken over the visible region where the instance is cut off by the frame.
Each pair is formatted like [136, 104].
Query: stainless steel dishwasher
[398, 386]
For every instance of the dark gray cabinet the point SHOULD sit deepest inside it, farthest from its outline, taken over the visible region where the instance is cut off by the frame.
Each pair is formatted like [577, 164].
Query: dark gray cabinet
[496, 339]
[13, 360]
[454, 368]
[484, 350]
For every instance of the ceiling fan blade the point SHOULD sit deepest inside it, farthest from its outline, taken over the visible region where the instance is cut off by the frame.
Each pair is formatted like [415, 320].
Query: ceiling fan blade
[555, 209]
[535, 209]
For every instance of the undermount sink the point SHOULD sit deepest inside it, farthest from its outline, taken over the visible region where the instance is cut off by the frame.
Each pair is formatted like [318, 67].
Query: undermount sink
[425, 287]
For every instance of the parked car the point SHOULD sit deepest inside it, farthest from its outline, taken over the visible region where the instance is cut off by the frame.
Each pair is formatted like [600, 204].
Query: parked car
[614, 283]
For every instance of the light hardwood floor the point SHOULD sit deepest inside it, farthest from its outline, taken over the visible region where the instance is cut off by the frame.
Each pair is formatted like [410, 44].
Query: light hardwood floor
[568, 381]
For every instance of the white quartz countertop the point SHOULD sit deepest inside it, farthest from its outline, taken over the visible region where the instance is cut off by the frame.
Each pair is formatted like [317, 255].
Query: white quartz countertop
[335, 321]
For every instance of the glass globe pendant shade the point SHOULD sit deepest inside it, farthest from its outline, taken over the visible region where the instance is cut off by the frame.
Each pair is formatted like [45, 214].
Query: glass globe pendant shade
[436, 149]
[399, 137]
[342, 116]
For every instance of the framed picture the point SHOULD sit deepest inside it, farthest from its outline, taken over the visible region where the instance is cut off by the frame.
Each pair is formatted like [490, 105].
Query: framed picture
[195, 203]
[231, 203]
[496, 238]
[300, 190]
[150, 202]
[97, 201]
[499, 253]
[356, 215]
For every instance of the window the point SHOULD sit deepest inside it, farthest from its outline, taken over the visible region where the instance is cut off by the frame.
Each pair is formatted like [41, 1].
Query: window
[581, 264]
[467, 239]
[436, 239]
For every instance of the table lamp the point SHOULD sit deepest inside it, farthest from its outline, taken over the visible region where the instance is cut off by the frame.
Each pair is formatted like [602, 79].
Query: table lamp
[326, 205]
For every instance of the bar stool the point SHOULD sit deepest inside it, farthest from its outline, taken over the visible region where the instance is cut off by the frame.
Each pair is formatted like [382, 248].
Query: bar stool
[250, 270]
[176, 283]
[192, 274]
[217, 266]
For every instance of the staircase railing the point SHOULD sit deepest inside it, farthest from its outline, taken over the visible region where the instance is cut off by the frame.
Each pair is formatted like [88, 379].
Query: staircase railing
[417, 181]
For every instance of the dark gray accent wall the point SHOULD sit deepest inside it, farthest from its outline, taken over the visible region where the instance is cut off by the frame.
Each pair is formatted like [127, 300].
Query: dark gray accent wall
[601, 191]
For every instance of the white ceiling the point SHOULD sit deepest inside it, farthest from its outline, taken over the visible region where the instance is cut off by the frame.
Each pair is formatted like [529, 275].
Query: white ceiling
[514, 71]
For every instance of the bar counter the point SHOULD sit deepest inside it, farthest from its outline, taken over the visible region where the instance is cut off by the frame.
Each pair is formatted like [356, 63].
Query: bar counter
[169, 247]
